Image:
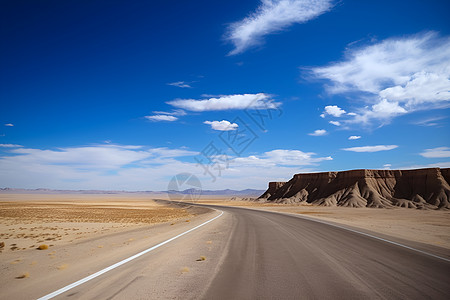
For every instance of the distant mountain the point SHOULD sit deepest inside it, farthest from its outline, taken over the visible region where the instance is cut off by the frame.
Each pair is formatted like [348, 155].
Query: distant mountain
[227, 192]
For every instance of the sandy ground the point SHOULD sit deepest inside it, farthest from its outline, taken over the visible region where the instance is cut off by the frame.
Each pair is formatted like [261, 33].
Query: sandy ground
[28, 221]
[430, 227]
[69, 228]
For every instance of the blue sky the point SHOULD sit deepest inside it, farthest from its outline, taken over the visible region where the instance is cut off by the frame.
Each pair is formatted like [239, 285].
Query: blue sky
[125, 95]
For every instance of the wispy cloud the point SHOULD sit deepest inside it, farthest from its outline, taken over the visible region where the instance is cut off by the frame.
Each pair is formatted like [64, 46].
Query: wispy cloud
[181, 84]
[272, 16]
[443, 164]
[10, 146]
[157, 118]
[318, 132]
[432, 121]
[282, 157]
[223, 125]
[175, 112]
[371, 148]
[396, 76]
[9, 125]
[438, 152]
[227, 102]
[335, 123]
[354, 137]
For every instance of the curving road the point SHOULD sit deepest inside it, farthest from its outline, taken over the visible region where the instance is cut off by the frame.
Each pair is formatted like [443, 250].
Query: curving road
[253, 254]
[276, 256]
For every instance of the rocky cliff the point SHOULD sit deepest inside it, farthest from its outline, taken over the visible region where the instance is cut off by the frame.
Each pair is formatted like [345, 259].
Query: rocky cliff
[422, 188]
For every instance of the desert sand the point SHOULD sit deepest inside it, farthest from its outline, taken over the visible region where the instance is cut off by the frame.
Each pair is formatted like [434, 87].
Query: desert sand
[47, 234]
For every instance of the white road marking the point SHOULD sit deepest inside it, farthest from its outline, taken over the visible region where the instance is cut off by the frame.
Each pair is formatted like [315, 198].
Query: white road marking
[345, 228]
[366, 234]
[86, 279]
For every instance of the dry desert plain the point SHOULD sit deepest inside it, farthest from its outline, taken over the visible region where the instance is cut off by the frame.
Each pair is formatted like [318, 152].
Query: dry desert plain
[76, 232]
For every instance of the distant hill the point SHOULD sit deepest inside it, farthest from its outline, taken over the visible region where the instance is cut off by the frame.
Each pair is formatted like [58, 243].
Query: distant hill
[227, 192]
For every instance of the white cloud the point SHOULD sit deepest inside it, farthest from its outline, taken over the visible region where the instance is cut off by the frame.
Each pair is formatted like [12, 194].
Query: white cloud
[9, 125]
[371, 148]
[318, 132]
[273, 16]
[166, 152]
[395, 76]
[157, 118]
[354, 137]
[335, 123]
[438, 152]
[281, 157]
[227, 102]
[444, 164]
[431, 121]
[422, 87]
[387, 166]
[333, 110]
[181, 84]
[383, 110]
[10, 146]
[175, 112]
[223, 125]
[134, 167]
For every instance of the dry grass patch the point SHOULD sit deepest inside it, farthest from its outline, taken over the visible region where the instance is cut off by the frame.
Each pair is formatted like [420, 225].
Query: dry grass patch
[63, 267]
[87, 213]
[43, 247]
[24, 275]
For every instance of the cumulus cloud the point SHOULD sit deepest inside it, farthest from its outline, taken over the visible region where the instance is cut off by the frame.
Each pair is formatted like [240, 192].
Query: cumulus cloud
[396, 76]
[438, 152]
[354, 137]
[223, 125]
[333, 110]
[272, 16]
[318, 132]
[371, 148]
[384, 110]
[227, 102]
[9, 125]
[181, 84]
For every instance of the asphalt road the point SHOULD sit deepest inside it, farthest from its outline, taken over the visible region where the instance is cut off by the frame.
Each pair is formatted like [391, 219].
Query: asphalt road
[254, 254]
[275, 256]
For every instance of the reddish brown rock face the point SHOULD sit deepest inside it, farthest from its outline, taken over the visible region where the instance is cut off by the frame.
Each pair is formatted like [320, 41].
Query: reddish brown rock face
[422, 188]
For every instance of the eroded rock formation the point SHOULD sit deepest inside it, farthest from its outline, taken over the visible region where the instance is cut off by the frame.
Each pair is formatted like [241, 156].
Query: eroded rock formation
[422, 188]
